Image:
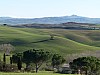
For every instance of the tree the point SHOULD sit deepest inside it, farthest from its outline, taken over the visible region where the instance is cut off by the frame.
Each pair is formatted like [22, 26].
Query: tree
[57, 60]
[11, 60]
[38, 57]
[51, 37]
[89, 65]
[4, 24]
[27, 58]
[1, 65]
[19, 63]
[17, 58]
[7, 48]
[4, 60]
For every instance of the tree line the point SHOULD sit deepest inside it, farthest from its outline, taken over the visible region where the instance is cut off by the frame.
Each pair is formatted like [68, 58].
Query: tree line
[88, 65]
[36, 57]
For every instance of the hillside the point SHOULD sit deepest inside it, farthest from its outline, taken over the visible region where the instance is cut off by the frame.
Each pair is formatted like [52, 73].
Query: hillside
[49, 20]
[67, 25]
[88, 37]
[65, 41]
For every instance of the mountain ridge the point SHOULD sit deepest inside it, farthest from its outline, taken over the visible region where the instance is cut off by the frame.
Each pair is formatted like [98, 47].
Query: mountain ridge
[49, 20]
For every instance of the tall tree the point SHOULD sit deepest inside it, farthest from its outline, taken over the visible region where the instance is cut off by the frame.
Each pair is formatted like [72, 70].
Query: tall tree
[57, 60]
[19, 63]
[17, 58]
[10, 60]
[38, 57]
[7, 48]
[51, 37]
[4, 60]
[27, 58]
[89, 65]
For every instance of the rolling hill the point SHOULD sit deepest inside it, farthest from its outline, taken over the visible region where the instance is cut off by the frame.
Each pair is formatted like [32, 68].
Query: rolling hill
[65, 41]
[67, 25]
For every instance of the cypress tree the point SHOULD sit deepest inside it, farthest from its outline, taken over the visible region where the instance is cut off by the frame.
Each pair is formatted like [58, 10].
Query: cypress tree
[10, 60]
[4, 60]
[19, 63]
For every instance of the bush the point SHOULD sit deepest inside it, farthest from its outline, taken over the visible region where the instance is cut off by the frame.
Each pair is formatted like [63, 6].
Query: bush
[10, 68]
[66, 72]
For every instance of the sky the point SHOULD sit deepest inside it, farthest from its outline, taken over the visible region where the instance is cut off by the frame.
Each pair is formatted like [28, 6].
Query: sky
[49, 8]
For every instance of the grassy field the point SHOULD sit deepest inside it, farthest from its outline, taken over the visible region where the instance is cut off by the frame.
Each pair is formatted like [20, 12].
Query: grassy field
[46, 73]
[89, 37]
[65, 41]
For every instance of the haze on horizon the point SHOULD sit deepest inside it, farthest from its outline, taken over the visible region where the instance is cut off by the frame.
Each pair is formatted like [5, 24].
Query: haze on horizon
[49, 8]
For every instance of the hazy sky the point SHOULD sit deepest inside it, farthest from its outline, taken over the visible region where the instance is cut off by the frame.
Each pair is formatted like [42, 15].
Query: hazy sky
[49, 8]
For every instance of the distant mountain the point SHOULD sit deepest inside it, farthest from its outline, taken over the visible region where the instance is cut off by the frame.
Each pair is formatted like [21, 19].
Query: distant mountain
[5, 18]
[49, 20]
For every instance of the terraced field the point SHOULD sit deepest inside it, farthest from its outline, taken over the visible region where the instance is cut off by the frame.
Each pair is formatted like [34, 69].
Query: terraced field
[65, 41]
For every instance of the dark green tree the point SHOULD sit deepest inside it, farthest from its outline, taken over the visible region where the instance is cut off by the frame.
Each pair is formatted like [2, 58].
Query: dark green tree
[1, 65]
[17, 58]
[27, 58]
[51, 37]
[10, 60]
[19, 63]
[57, 60]
[5, 24]
[38, 57]
[89, 65]
[4, 60]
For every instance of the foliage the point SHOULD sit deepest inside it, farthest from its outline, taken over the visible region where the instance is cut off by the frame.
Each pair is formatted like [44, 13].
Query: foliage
[17, 58]
[19, 64]
[51, 37]
[7, 48]
[38, 57]
[10, 68]
[89, 65]
[57, 60]
[1, 65]
[4, 60]
[10, 60]
[7, 67]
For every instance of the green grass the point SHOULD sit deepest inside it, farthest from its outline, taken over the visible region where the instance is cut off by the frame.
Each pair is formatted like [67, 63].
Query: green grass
[45, 73]
[65, 41]
[89, 37]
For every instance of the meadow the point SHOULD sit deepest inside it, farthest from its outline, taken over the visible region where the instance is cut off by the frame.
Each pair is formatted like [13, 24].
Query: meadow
[65, 41]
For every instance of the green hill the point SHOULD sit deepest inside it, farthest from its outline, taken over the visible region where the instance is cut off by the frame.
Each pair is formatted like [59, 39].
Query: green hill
[88, 37]
[65, 41]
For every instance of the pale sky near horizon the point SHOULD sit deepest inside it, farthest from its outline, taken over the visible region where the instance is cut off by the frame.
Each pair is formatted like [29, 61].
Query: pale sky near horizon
[49, 8]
